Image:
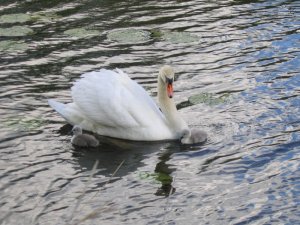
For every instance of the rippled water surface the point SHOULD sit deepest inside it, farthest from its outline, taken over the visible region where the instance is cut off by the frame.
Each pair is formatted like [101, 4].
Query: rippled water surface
[237, 66]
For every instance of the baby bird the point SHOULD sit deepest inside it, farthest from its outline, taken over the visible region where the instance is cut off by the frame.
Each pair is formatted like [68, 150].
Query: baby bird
[193, 136]
[83, 140]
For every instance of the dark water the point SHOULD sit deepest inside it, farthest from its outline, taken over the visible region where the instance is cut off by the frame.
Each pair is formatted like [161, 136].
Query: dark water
[237, 67]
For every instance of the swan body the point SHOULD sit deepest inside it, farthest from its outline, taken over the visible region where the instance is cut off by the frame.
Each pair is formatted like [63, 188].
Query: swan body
[111, 104]
[83, 140]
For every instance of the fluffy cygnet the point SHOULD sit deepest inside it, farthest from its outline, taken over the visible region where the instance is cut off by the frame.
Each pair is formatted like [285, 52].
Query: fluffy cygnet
[193, 136]
[83, 140]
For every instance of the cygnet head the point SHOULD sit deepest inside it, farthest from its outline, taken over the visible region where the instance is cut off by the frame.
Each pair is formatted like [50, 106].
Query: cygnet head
[166, 74]
[77, 130]
[193, 136]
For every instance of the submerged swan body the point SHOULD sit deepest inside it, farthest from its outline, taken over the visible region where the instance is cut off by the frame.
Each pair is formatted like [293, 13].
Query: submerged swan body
[83, 140]
[111, 104]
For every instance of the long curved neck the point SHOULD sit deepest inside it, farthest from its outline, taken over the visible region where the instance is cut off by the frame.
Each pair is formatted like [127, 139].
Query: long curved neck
[168, 107]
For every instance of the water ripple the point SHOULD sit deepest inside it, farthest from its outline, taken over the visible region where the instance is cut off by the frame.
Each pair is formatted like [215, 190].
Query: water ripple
[237, 78]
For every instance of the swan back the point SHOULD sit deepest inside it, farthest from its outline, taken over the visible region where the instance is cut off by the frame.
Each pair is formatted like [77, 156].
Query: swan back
[112, 99]
[114, 105]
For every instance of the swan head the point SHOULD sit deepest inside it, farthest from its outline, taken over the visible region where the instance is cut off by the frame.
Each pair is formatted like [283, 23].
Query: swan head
[166, 74]
[193, 136]
[77, 130]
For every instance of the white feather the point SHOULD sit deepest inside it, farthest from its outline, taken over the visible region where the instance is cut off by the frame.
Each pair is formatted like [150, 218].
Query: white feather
[111, 104]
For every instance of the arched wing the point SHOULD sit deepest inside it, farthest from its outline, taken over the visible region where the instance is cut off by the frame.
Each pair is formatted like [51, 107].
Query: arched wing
[111, 98]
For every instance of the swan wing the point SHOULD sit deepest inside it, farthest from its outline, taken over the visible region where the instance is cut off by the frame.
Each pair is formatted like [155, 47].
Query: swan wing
[112, 99]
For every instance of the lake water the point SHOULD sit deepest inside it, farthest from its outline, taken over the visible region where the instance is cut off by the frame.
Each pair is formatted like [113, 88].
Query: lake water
[237, 66]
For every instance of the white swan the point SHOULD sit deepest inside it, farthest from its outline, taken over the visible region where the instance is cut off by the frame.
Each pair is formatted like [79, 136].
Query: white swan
[111, 104]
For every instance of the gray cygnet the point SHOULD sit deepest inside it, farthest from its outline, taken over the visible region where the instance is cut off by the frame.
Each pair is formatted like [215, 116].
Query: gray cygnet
[193, 136]
[83, 140]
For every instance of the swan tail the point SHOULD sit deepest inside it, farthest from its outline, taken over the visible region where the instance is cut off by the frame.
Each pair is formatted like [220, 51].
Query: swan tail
[70, 113]
[61, 109]
[58, 107]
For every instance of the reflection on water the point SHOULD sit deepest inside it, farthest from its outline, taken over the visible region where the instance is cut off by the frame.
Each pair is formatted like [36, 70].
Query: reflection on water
[237, 78]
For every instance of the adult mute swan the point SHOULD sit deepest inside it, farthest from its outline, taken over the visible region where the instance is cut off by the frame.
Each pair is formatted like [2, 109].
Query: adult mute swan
[111, 104]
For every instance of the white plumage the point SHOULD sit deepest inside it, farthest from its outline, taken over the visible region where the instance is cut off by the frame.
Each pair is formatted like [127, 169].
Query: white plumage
[111, 104]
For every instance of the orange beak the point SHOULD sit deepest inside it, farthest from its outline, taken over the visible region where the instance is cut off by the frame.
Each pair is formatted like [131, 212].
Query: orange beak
[170, 90]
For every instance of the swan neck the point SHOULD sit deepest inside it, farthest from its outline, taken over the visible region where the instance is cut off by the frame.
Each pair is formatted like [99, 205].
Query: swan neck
[167, 104]
[168, 107]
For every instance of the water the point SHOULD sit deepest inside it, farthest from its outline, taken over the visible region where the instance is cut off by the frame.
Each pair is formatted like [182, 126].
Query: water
[237, 77]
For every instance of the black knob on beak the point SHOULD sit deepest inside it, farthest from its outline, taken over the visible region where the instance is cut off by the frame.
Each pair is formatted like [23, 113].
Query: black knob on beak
[169, 80]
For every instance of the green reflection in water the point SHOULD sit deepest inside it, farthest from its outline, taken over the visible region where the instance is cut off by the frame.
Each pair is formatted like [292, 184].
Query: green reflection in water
[179, 37]
[129, 35]
[15, 31]
[24, 124]
[11, 46]
[45, 17]
[22, 17]
[15, 18]
[158, 177]
[209, 99]
[81, 32]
